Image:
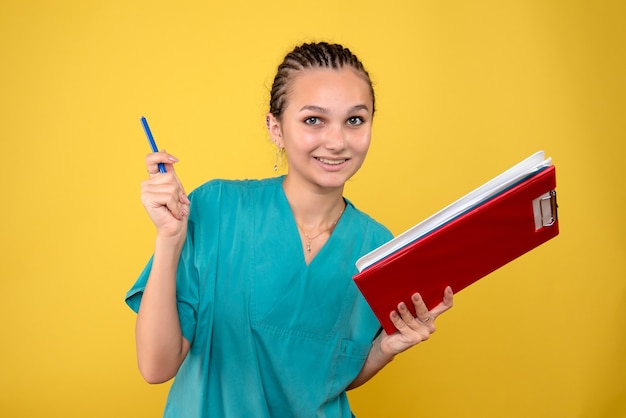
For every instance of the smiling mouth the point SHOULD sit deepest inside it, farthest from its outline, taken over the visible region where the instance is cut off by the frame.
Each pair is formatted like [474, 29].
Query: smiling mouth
[330, 162]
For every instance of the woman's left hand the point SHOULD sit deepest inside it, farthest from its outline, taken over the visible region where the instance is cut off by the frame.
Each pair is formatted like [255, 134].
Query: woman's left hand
[413, 330]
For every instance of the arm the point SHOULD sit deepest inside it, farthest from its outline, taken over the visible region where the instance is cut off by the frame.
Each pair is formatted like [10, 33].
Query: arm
[161, 348]
[411, 331]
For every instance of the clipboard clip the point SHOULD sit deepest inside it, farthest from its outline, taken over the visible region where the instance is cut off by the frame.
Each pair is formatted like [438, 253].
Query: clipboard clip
[545, 210]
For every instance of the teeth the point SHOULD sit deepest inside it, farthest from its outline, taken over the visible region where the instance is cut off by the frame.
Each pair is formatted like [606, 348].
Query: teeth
[331, 162]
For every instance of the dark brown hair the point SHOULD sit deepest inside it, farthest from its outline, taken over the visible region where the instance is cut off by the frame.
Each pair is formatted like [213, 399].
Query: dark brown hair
[312, 55]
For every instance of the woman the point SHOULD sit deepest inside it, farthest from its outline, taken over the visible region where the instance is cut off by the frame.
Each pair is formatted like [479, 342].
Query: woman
[249, 299]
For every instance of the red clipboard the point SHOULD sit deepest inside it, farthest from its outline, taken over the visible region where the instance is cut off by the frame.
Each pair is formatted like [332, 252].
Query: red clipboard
[465, 249]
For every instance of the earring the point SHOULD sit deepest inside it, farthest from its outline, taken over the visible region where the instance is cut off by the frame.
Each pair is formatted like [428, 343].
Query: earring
[278, 161]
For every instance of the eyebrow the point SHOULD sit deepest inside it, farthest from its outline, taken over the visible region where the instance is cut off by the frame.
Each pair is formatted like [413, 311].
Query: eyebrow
[320, 109]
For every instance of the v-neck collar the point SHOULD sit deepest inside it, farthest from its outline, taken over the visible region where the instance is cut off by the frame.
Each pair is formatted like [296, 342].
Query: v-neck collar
[293, 233]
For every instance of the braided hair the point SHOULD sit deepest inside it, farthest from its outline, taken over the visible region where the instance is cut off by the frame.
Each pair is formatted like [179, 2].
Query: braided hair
[311, 55]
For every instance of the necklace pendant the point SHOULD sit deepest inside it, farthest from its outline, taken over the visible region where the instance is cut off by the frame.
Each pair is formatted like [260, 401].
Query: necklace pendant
[309, 239]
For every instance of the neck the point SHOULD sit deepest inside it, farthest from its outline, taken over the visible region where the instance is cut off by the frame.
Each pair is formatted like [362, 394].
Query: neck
[315, 210]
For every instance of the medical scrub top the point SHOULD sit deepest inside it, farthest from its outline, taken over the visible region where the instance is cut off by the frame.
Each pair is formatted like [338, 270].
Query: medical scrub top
[270, 335]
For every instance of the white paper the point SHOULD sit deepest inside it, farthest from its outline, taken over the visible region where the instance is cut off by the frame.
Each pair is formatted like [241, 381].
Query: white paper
[483, 193]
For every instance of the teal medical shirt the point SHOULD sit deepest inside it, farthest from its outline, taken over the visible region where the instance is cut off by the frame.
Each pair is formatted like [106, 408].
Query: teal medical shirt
[270, 336]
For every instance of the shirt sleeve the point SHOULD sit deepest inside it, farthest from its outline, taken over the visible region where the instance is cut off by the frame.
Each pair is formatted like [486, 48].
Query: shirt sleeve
[187, 288]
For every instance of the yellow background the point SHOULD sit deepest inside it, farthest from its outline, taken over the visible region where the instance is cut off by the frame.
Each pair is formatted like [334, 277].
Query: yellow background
[464, 90]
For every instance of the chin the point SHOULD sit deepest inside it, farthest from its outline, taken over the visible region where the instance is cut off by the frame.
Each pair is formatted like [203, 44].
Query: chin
[334, 180]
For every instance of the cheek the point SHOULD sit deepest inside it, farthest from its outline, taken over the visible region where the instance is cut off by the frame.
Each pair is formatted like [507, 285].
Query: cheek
[304, 140]
[298, 142]
[361, 142]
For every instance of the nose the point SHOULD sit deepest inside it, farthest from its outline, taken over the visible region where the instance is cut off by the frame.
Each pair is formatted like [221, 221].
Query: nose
[335, 138]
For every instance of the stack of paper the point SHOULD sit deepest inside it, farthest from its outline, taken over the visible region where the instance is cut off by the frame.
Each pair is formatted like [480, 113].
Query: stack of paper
[482, 231]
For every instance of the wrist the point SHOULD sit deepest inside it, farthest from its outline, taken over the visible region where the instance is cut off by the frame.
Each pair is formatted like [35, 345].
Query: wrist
[169, 244]
[382, 354]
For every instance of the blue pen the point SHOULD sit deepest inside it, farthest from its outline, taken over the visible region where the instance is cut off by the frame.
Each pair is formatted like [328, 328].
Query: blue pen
[146, 129]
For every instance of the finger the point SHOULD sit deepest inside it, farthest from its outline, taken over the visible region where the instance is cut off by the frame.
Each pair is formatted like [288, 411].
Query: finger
[406, 316]
[178, 209]
[448, 297]
[445, 304]
[184, 199]
[182, 195]
[184, 202]
[165, 191]
[158, 190]
[176, 204]
[397, 321]
[409, 326]
[155, 158]
[421, 310]
[164, 199]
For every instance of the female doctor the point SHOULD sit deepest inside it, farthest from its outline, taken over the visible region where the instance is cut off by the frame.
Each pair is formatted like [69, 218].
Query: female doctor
[248, 300]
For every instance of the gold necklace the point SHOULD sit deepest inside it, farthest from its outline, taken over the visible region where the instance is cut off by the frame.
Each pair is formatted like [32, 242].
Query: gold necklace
[309, 239]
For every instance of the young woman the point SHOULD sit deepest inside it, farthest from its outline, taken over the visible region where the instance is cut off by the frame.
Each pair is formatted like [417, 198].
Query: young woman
[248, 299]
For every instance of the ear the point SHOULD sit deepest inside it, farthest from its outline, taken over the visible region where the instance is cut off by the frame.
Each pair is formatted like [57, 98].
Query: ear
[274, 129]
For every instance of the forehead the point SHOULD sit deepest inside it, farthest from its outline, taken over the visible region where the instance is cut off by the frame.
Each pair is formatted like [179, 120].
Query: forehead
[327, 85]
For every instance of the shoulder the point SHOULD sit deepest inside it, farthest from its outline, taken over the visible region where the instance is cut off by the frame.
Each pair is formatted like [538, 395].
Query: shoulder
[367, 224]
[233, 189]
[222, 199]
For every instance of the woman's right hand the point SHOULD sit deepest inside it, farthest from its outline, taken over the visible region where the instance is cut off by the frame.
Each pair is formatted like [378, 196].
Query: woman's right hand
[164, 197]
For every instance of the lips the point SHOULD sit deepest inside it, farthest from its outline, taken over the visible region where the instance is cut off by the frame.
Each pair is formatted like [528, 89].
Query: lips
[331, 162]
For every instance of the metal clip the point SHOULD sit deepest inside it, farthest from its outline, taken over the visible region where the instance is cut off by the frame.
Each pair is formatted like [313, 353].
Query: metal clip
[545, 210]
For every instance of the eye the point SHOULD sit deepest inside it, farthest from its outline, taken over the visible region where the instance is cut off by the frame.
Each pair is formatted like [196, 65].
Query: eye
[355, 121]
[312, 120]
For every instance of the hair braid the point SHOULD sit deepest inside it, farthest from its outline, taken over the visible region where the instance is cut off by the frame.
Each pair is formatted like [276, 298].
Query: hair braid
[311, 55]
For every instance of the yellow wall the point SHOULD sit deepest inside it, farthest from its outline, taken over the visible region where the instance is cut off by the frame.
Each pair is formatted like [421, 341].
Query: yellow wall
[465, 89]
